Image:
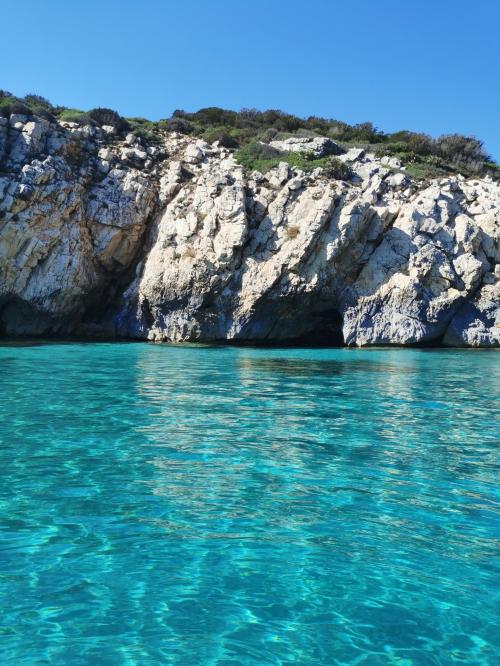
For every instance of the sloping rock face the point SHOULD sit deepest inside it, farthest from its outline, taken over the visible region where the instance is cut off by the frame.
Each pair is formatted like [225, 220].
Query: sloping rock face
[102, 235]
[73, 211]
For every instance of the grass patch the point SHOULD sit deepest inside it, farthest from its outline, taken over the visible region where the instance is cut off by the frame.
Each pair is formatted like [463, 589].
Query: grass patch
[256, 156]
[423, 171]
[75, 116]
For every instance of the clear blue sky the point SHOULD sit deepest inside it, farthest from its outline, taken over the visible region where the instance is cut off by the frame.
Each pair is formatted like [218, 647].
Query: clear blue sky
[426, 65]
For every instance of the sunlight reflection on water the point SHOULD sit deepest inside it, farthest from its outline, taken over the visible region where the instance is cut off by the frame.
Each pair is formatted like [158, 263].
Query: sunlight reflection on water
[216, 505]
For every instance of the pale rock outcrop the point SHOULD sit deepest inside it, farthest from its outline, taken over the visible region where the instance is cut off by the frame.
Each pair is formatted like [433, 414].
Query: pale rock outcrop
[434, 256]
[66, 231]
[317, 146]
[104, 234]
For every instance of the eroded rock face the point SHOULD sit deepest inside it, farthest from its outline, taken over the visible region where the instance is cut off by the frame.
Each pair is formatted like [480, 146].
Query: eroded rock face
[435, 256]
[477, 322]
[71, 223]
[105, 235]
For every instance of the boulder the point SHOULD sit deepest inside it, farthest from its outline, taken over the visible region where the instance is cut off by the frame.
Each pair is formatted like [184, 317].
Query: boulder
[318, 146]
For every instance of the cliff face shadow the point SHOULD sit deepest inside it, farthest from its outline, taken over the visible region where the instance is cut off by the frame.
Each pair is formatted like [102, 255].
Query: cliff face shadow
[18, 317]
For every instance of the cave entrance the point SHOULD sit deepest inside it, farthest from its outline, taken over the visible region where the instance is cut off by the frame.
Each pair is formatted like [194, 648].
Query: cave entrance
[326, 331]
[19, 318]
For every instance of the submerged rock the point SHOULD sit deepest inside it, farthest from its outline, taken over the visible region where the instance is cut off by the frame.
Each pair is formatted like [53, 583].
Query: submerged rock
[102, 235]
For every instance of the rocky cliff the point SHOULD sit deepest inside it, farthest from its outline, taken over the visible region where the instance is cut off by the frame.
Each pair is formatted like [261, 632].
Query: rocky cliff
[107, 235]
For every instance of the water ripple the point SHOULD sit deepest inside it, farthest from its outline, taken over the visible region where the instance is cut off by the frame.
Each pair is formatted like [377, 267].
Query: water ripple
[214, 505]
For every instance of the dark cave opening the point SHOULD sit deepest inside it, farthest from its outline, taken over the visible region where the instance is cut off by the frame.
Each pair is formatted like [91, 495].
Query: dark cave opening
[326, 331]
[17, 317]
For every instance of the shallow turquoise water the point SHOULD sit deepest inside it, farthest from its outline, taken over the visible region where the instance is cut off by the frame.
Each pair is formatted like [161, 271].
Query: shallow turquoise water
[191, 505]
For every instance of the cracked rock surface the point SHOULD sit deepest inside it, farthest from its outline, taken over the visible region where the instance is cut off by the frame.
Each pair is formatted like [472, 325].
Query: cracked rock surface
[102, 235]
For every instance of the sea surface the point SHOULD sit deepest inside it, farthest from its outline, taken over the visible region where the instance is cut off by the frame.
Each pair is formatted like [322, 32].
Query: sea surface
[223, 506]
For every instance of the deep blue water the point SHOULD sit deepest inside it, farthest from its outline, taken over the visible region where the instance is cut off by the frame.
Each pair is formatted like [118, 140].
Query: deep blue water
[214, 505]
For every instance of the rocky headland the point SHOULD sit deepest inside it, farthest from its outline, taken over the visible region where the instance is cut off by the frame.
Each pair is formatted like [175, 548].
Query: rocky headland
[105, 233]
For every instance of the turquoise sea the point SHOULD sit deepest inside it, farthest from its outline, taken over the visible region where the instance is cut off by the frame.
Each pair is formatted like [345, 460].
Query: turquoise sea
[222, 506]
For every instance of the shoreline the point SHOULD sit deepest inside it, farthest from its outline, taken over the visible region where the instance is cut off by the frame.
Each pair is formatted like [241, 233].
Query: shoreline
[31, 341]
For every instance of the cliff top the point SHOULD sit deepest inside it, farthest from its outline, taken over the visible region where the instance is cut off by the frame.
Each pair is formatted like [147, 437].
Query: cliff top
[262, 139]
[160, 231]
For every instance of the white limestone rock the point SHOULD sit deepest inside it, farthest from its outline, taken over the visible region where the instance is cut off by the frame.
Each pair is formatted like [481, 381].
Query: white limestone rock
[318, 146]
[175, 241]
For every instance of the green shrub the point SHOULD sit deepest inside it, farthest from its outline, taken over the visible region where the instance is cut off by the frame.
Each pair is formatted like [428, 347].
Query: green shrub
[362, 132]
[213, 116]
[336, 169]
[222, 136]
[493, 170]
[103, 116]
[142, 128]
[37, 101]
[412, 142]
[317, 125]
[5, 103]
[427, 167]
[75, 116]
[28, 106]
[10, 105]
[43, 112]
[268, 134]
[256, 156]
[179, 124]
[99, 116]
[462, 150]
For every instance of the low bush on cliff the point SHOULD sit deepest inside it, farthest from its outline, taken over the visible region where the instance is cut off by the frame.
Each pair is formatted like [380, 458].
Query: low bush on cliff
[252, 123]
[447, 153]
[143, 128]
[75, 116]
[36, 105]
[226, 138]
[10, 105]
[258, 156]
[425, 169]
[98, 116]
[337, 169]
[103, 116]
[30, 105]
[37, 101]
[459, 149]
